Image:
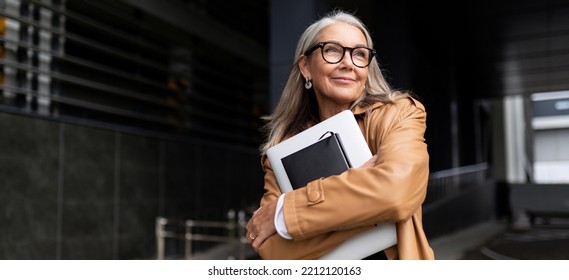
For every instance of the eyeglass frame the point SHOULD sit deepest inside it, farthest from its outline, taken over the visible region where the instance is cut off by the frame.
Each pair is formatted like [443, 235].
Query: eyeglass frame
[320, 45]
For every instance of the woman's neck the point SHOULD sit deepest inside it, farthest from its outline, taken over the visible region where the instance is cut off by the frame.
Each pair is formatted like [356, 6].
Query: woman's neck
[326, 112]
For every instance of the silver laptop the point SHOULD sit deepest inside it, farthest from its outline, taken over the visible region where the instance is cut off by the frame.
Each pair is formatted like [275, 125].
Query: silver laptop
[357, 151]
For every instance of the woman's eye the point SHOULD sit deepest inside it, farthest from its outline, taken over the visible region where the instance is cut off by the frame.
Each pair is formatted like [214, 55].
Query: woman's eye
[331, 50]
[359, 53]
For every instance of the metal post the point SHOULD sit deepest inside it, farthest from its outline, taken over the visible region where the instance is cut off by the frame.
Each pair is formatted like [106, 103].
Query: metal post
[242, 240]
[160, 235]
[231, 224]
[188, 238]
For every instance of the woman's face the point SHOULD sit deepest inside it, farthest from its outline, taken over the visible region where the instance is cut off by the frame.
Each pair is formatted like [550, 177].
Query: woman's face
[336, 85]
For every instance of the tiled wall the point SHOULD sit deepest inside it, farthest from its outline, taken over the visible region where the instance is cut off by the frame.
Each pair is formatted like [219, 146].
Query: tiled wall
[76, 192]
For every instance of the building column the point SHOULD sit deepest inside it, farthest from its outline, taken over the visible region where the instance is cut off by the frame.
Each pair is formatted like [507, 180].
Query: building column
[288, 19]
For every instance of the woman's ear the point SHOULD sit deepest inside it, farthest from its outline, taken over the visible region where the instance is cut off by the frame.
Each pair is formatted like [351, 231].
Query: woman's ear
[303, 66]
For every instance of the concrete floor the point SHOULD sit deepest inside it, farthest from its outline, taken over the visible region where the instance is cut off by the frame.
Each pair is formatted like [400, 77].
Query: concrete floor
[545, 240]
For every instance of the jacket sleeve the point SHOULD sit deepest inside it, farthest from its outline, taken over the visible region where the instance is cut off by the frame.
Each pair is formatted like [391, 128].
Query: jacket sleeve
[391, 191]
[276, 247]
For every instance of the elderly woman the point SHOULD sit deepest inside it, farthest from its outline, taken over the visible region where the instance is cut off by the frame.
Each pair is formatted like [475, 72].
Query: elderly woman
[335, 70]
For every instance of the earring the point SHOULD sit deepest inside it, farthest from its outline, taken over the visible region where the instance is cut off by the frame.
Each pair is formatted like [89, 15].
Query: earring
[308, 84]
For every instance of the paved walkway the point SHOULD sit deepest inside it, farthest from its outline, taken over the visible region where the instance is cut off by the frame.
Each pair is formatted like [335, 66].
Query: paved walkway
[546, 240]
[454, 246]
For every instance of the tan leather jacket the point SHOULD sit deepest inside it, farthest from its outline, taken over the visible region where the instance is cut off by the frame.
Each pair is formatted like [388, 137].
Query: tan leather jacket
[328, 211]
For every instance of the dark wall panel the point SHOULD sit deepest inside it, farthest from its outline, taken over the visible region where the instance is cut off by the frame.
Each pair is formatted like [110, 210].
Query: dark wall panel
[29, 185]
[88, 193]
[96, 193]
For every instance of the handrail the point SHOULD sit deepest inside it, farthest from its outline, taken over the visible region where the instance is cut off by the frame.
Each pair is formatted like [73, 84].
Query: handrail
[458, 171]
[451, 182]
[235, 233]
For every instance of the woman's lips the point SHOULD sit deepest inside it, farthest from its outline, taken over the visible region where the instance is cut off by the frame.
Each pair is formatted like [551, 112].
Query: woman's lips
[343, 80]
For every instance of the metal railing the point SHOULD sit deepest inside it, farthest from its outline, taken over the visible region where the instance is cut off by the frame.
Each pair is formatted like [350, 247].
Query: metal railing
[448, 183]
[190, 231]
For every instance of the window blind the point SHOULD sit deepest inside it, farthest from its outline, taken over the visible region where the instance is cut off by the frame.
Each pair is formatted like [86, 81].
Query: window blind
[107, 62]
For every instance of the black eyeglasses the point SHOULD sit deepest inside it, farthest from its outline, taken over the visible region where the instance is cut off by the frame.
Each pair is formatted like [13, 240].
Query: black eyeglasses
[333, 53]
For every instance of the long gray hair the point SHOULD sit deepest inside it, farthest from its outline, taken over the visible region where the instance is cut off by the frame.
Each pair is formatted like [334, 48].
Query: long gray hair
[297, 110]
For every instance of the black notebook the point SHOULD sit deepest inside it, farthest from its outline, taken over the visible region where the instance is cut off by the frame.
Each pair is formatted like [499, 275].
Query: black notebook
[324, 158]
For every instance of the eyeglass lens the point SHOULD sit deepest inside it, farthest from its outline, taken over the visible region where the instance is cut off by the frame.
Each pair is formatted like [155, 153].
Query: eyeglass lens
[333, 53]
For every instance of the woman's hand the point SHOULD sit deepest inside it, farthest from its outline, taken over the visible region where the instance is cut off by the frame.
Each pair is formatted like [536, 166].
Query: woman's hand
[262, 225]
